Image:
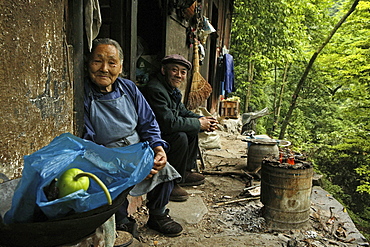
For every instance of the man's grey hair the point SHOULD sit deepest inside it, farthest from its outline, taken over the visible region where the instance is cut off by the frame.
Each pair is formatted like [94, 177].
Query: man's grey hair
[107, 41]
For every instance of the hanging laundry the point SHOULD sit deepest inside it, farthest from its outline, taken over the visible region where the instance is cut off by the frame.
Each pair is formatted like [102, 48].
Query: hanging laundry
[93, 21]
[229, 74]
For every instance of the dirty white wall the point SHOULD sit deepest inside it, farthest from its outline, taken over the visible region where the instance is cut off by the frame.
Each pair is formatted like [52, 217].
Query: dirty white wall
[36, 96]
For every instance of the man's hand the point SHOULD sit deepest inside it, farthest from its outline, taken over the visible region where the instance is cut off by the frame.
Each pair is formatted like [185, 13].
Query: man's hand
[208, 123]
[160, 160]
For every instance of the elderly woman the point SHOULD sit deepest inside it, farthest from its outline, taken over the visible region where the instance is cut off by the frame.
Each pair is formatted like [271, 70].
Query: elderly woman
[117, 115]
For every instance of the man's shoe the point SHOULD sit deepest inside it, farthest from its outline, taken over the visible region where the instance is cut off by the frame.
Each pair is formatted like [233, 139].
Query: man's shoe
[164, 224]
[178, 194]
[130, 226]
[193, 179]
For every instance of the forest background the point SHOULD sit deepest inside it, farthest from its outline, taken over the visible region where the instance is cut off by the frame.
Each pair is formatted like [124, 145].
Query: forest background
[308, 62]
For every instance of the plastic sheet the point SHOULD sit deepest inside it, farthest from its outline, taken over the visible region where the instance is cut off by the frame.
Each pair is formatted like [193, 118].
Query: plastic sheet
[118, 168]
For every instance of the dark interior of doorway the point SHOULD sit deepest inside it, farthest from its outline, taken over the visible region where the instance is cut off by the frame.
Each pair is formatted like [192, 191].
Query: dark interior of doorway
[120, 22]
[150, 39]
[150, 27]
[212, 102]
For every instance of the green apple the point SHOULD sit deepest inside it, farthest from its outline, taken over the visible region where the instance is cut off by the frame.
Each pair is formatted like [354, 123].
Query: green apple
[69, 183]
[75, 179]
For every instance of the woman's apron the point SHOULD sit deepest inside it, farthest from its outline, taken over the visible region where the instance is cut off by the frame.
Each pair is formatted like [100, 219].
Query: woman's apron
[114, 122]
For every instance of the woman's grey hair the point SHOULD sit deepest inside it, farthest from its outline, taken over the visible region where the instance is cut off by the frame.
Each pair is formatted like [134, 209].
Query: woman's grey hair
[107, 41]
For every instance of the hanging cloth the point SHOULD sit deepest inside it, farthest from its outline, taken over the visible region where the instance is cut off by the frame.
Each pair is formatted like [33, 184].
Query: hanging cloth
[229, 74]
[92, 21]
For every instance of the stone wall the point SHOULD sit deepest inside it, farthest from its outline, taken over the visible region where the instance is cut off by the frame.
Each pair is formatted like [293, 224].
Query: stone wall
[36, 99]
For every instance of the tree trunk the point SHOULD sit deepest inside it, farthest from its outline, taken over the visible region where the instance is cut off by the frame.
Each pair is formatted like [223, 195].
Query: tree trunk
[280, 97]
[308, 68]
[275, 99]
[250, 82]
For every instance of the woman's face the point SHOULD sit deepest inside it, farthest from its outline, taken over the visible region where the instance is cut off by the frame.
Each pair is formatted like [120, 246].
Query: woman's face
[104, 67]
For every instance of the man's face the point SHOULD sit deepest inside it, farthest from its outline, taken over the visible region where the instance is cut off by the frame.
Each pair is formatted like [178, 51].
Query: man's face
[104, 67]
[175, 74]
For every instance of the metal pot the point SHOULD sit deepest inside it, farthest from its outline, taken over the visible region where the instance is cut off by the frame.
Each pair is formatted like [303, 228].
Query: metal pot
[261, 147]
[66, 230]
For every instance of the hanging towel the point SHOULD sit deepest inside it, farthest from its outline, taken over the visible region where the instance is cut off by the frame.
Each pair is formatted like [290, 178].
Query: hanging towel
[92, 21]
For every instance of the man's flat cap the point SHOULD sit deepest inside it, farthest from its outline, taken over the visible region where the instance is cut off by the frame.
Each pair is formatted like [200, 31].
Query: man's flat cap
[178, 59]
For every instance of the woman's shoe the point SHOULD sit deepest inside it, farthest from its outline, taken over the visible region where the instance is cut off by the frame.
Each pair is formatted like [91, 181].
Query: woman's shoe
[164, 224]
[123, 239]
[129, 225]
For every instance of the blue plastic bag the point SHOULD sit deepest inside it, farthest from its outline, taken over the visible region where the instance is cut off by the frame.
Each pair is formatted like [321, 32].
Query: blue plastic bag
[118, 168]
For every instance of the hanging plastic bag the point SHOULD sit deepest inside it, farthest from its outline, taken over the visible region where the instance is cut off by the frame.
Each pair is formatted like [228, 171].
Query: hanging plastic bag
[207, 26]
[118, 168]
[206, 30]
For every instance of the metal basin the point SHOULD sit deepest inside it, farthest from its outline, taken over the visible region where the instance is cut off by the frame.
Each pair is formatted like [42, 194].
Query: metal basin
[66, 230]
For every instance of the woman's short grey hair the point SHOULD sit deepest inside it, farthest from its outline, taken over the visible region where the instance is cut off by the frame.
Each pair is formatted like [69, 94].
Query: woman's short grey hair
[107, 41]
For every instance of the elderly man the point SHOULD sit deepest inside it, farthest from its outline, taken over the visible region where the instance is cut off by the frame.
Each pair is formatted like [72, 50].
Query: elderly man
[179, 126]
[117, 115]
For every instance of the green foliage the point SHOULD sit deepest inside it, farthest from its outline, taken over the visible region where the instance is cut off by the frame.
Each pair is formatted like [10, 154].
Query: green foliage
[332, 117]
[346, 166]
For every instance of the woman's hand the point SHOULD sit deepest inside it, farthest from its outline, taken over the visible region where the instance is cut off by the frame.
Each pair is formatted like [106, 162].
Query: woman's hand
[160, 160]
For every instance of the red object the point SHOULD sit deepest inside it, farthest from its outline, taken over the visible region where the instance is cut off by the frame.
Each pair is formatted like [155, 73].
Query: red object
[291, 161]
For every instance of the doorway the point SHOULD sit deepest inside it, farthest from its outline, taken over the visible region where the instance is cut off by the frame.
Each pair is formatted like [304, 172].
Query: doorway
[138, 26]
[150, 39]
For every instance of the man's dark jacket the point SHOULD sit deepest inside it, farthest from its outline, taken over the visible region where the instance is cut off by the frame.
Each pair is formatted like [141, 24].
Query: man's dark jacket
[171, 113]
